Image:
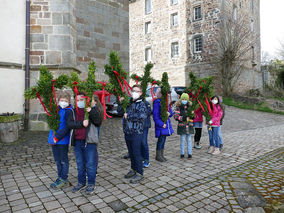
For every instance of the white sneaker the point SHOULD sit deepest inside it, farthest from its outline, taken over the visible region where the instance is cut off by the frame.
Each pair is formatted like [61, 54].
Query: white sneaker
[216, 151]
[211, 149]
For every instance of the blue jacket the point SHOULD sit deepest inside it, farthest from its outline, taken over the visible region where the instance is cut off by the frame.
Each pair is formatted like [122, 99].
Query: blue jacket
[159, 130]
[136, 115]
[63, 133]
[147, 122]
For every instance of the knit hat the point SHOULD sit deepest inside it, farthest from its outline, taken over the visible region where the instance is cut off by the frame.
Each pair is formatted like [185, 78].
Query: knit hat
[184, 96]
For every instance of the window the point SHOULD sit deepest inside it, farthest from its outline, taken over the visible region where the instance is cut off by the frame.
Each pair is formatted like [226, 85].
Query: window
[174, 49]
[174, 19]
[148, 6]
[252, 55]
[148, 54]
[174, 2]
[251, 25]
[235, 13]
[197, 13]
[197, 44]
[148, 27]
[251, 6]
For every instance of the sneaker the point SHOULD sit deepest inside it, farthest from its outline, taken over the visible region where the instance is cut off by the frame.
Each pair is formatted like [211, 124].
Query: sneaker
[146, 164]
[181, 156]
[130, 174]
[197, 145]
[211, 149]
[90, 189]
[126, 156]
[216, 151]
[189, 156]
[78, 187]
[221, 147]
[137, 178]
[58, 184]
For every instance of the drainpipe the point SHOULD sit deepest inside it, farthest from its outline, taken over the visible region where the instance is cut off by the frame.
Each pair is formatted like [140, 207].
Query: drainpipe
[27, 63]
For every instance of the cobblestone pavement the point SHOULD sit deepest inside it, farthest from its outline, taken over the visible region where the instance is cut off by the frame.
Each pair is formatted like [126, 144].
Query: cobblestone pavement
[248, 176]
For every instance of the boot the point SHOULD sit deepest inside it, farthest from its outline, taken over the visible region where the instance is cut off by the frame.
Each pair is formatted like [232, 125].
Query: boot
[159, 156]
[163, 155]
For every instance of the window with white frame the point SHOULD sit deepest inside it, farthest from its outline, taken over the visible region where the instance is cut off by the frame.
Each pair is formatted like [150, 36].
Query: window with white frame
[174, 2]
[148, 54]
[174, 19]
[235, 12]
[197, 13]
[197, 44]
[251, 25]
[148, 27]
[174, 49]
[148, 6]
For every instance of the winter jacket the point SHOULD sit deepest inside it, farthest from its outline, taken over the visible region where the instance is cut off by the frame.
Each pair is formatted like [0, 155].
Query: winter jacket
[223, 109]
[136, 115]
[80, 134]
[184, 126]
[92, 135]
[198, 115]
[216, 115]
[62, 135]
[159, 130]
[73, 124]
[147, 122]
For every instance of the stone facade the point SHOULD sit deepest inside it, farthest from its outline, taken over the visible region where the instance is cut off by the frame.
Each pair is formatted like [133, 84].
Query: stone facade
[191, 24]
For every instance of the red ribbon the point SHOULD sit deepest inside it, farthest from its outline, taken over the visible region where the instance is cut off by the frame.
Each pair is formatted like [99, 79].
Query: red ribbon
[168, 102]
[37, 94]
[117, 74]
[152, 91]
[198, 92]
[137, 79]
[53, 89]
[88, 100]
[207, 103]
[76, 93]
[126, 85]
[200, 105]
[103, 100]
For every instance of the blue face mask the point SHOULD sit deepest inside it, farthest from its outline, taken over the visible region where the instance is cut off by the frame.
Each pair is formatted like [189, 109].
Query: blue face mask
[184, 102]
[81, 104]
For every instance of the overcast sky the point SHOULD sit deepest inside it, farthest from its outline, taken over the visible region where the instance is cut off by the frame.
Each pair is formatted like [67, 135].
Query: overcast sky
[272, 26]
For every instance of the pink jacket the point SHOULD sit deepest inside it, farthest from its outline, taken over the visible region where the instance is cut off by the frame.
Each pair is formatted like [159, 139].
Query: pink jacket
[198, 116]
[216, 115]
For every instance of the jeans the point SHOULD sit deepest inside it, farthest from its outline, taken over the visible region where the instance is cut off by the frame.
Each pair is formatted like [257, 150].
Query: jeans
[87, 161]
[134, 145]
[220, 135]
[213, 136]
[161, 142]
[188, 142]
[145, 147]
[60, 155]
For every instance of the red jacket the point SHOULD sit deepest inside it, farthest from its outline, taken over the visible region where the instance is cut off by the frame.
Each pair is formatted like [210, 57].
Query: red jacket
[216, 114]
[198, 115]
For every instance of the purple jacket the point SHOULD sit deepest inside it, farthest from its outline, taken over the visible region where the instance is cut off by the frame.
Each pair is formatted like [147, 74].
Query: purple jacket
[159, 130]
[216, 114]
[198, 115]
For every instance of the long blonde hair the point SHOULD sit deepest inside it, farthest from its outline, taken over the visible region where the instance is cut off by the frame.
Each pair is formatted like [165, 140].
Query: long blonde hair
[99, 106]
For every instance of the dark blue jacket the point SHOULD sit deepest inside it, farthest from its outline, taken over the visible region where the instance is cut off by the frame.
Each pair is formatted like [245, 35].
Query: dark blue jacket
[147, 122]
[159, 130]
[63, 133]
[136, 115]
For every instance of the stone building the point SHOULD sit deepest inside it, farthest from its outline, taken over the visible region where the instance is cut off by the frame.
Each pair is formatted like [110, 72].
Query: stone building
[178, 36]
[65, 35]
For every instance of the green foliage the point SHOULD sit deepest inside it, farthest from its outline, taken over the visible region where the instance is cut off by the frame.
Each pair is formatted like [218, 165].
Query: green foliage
[165, 89]
[115, 65]
[10, 118]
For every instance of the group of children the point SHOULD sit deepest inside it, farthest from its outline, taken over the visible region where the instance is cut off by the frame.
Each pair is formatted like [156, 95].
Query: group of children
[83, 134]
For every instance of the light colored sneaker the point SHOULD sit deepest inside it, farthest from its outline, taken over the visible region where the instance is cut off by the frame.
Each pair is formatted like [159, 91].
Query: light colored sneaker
[216, 151]
[211, 149]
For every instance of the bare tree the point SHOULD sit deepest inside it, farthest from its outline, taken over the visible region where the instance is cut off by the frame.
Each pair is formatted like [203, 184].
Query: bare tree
[280, 50]
[235, 44]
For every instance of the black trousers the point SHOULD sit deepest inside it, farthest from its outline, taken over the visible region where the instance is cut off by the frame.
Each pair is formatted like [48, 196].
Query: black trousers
[197, 135]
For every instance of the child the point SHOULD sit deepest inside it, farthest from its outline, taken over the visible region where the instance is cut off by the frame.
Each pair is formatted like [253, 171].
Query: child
[162, 130]
[147, 125]
[185, 125]
[216, 116]
[197, 124]
[60, 141]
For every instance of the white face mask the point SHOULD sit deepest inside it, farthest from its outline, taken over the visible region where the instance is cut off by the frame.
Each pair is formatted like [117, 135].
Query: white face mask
[63, 104]
[135, 95]
[214, 101]
[81, 104]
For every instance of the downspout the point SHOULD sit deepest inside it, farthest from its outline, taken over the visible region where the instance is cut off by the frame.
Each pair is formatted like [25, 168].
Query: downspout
[27, 64]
